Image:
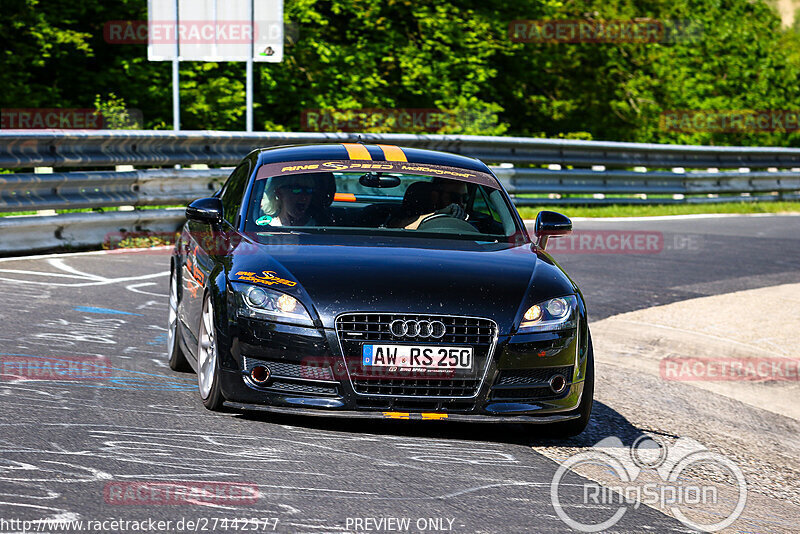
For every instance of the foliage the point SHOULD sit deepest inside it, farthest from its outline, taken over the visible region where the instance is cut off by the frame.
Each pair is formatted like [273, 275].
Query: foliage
[427, 54]
[141, 240]
[116, 116]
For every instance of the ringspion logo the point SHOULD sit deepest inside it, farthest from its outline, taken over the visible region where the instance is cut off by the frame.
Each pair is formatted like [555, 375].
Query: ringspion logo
[649, 473]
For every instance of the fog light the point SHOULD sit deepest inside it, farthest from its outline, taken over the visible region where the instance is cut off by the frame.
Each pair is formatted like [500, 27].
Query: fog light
[558, 384]
[260, 374]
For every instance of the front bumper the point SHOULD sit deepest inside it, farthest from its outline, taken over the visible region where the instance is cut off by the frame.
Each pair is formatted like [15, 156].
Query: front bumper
[501, 396]
[414, 416]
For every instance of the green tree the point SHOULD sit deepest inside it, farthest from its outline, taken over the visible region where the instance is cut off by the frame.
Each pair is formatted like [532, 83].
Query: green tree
[453, 56]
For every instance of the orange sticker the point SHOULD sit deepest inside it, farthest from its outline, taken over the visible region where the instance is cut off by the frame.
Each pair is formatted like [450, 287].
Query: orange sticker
[344, 197]
[393, 153]
[396, 415]
[356, 151]
[268, 278]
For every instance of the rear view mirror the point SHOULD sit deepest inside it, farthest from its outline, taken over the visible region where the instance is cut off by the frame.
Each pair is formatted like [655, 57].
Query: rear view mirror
[205, 210]
[550, 224]
[377, 179]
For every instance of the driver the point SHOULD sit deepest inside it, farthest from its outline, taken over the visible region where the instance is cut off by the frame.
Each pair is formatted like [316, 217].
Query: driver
[297, 200]
[448, 197]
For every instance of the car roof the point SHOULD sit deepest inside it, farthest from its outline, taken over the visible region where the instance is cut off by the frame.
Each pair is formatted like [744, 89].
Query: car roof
[357, 151]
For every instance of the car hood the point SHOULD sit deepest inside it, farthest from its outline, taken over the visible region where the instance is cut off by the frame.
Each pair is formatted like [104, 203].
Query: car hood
[339, 274]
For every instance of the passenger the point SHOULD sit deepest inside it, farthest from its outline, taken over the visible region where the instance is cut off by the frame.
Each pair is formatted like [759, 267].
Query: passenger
[448, 197]
[298, 200]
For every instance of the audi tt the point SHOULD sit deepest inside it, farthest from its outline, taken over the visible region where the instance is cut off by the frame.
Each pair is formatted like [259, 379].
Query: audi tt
[364, 280]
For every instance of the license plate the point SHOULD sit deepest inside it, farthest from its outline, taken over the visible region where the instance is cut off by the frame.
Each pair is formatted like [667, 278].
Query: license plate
[417, 356]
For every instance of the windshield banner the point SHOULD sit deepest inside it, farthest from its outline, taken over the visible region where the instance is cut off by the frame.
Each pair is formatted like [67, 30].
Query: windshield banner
[304, 167]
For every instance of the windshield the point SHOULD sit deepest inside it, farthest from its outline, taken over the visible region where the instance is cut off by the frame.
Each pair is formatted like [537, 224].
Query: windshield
[375, 196]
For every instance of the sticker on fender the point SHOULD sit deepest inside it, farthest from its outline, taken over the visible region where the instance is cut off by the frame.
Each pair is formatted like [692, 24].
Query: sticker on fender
[417, 356]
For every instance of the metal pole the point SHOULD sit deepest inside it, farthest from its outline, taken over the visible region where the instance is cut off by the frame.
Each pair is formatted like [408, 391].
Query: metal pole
[176, 97]
[250, 94]
[176, 88]
[249, 82]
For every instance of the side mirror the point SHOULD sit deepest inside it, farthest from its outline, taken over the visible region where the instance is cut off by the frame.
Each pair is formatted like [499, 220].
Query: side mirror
[205, 210]
[550, 224]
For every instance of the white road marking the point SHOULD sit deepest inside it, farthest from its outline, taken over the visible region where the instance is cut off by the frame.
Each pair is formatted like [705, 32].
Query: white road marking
[41, 273]
[88, 279]
[120, 252]
[135, 289]
[58, 263]
[107, 281]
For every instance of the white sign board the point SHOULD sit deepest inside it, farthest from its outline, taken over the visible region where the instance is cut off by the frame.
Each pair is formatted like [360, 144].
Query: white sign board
[215, 30]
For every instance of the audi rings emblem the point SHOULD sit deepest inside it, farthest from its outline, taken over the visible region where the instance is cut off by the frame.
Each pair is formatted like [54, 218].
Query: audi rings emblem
[423, 329]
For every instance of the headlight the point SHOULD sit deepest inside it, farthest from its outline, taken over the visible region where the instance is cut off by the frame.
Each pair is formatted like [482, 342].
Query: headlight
[554, 314]
[263, 303]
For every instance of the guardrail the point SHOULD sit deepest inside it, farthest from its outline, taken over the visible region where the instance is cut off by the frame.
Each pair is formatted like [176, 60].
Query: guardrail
[669, 187]
[577, 172]
[153, 148]
[103, 189]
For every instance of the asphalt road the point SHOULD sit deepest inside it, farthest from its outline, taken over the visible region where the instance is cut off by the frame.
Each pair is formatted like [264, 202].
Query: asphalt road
[692, 257]
[69, 449]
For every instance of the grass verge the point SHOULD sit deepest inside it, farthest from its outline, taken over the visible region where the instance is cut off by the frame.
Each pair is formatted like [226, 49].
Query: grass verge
[621, 210]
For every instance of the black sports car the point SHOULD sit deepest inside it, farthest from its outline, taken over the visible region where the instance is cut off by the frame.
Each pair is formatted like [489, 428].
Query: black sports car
[377, 281]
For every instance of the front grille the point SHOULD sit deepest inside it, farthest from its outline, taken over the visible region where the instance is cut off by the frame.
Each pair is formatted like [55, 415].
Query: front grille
[293, 377]
[294, 387]
[414, 405]
[529, 384]
[357, 328]
[525, 394]
[424, 388]
[309, 371]
[532, 376]
[375, 327]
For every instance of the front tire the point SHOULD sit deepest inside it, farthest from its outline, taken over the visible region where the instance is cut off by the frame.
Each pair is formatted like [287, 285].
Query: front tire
[568, 429]
[177, 359]
[208, 379]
